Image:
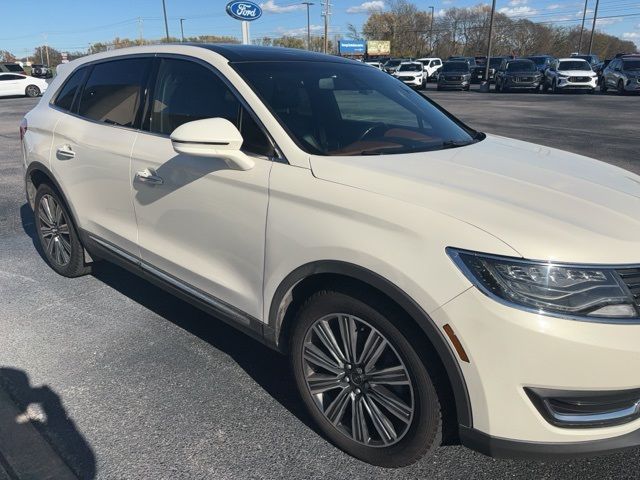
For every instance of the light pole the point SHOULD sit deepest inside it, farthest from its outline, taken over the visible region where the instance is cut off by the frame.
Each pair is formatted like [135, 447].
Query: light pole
[593, 28]
[584, 14]
[166, 24]
[308, 4]
[431, 32]
[182, 29]
[486, 86]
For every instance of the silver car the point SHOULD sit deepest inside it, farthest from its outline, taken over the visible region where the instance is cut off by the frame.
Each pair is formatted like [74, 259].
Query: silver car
[622, 74]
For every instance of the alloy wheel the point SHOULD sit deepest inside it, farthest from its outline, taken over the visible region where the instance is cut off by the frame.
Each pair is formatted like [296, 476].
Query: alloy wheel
[33, 91]
[357, 380]
[54, 230]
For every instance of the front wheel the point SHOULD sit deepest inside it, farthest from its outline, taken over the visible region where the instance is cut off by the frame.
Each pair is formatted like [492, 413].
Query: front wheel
[621, 88]
[57, 235]
[32, 91]
[362, 380]
[603, 86]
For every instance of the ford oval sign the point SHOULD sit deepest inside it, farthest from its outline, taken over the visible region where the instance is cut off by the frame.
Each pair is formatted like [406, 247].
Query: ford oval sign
[243, 10]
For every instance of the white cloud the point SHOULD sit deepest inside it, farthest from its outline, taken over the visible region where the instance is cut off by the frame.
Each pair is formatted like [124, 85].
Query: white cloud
[554, 6]
[366, 7]
[447, 2]
[631, 35]
[271, 7]
[518, 11]
[603, 22]
[515, 3]
[299, 32]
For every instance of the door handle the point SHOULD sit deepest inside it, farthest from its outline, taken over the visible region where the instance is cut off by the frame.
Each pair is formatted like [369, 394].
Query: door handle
[65, 152]
[148, 176]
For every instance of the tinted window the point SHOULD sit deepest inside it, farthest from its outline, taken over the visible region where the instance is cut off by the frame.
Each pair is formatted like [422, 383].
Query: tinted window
[495, 62]
[67, 93]
[455, 67]
[344, 109]
[521, 67]
[14, 68]
[11, 77]
[185, 91]
[574, 65]
[410, 67]
[113, 91]
[631, 64]
[436, 62]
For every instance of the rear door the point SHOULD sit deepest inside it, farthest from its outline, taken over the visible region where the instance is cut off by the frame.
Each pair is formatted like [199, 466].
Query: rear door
[92, 145]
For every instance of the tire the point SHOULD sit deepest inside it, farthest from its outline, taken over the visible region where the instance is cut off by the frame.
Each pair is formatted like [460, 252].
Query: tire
[545, 87]
[621, 88]
[467, 88]
[554, 87]
[32, 91]
[603, 86]
[498, 88]
[439, 88]
[57, 235]
[328, 313]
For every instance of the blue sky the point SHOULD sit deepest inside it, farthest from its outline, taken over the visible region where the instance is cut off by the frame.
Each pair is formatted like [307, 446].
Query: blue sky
[70, 25]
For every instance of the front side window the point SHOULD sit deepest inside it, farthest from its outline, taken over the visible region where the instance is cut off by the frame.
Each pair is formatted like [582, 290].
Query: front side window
[113, 91]
[64, 100]
[345, 109]
[186, 91]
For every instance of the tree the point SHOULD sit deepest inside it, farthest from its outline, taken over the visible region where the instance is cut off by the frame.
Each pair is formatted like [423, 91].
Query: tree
[6, 56]
[48, 55]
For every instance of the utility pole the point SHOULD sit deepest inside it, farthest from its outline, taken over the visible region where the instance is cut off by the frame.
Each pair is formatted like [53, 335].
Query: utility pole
[593, 28]
[182, 29]
[584, 14]
[431, 32]
[486, 86]
[166, 24]
[46, 46]
[325, 13]
[140, 33]
[308, 4]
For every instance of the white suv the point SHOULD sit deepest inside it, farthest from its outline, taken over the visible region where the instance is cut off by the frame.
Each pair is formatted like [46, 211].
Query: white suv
[426, 280]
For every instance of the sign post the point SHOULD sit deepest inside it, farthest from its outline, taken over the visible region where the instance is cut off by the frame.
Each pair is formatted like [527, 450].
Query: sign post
[245, 11]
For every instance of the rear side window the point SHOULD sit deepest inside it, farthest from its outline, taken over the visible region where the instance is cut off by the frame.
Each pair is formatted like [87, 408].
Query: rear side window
[64, 100]
[14, 68]
[113, 91]
[11, 77]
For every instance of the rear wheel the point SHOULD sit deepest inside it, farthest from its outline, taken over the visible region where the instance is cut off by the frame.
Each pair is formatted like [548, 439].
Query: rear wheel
[57, 235]
[362, 380]
[621, 88]
[32, 91]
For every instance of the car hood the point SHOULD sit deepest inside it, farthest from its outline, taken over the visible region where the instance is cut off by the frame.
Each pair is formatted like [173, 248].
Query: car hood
[545, 203]
[576, 73]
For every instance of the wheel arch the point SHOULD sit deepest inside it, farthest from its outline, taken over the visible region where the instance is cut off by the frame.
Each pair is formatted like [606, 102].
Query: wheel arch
[315, 276]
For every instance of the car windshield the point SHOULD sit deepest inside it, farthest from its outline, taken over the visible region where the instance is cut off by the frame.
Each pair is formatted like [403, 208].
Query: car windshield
[410, 67]
[539, 61]
[495, 62]
[587, 58]
[331, 108]
[522, 66]
[455, 67]
[631, 64]
[574, 65]
[392, 63]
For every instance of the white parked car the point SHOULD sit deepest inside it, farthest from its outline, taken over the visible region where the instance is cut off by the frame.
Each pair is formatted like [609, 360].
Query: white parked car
[18, 84]
[412, 74]
[570, 74]
[377, 65]
[423, 277]
[432, 66]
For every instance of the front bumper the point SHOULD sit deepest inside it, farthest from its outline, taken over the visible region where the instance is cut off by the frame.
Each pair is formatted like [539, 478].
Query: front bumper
[453, 83]
[510, 350]
[517, 85]
[566, 84]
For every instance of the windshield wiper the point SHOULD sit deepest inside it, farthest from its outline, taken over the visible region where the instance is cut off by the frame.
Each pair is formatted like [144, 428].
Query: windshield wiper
[455, 144]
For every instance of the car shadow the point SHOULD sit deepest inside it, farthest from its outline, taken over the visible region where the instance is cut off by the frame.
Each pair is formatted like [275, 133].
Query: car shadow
[37, 437]
[266, 367]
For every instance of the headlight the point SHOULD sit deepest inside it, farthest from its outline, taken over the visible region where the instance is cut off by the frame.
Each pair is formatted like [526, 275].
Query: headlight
[563, 76]
[560, 289]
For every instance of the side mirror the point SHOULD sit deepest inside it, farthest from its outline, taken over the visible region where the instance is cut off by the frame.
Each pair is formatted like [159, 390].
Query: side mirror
[212, 137]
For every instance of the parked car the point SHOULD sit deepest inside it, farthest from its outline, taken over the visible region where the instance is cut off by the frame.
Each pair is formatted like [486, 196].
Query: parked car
[412, 74]
[479, 71]
[10, 67]
[41, 71]
[422, 277]
[392, 65]
[622, 74]
[542, 61]
[570, 74]
[454, 75]
[17, 84]
[471, 61]
[432, 66]
[593, 59]
[377, 65]
[519, 74]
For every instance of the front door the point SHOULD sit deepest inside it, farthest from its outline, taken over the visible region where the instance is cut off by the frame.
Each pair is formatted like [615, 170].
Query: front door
[199, 221]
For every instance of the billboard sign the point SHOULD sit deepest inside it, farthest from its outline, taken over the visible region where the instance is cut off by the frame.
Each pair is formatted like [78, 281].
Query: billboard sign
[352, 47]
[244, 10]
[378, 47]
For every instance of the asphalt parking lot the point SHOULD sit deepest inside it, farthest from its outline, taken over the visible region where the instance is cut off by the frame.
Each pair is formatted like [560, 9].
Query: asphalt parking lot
[122, 380]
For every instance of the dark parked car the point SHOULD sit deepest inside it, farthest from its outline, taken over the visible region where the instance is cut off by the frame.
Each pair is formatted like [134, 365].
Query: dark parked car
[41, 71]
[479, 71]
[10, 67]
[455, 75]
[593, 60]
[519, 74]
[542, 61]
[622, 74]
